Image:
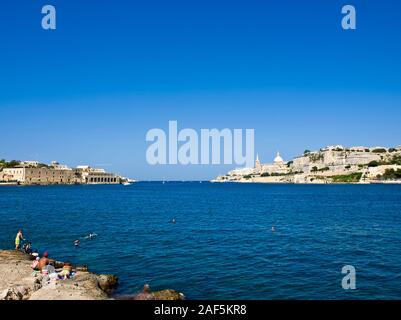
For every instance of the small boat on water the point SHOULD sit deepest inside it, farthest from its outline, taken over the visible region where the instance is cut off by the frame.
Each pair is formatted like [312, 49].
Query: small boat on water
[127, 181]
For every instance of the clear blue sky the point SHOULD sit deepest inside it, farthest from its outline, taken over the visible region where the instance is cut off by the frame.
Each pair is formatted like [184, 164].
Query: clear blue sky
[89, 91]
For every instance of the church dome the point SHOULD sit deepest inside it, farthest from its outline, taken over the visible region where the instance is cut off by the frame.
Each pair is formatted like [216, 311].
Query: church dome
[278, 158]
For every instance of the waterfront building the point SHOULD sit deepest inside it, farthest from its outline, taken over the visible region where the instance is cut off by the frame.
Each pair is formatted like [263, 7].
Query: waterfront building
[279, 166]
[44, 175]
[333, 148]
[29, 163]
[57, 166]
[241, 172]
[57, 174]
[96, 176]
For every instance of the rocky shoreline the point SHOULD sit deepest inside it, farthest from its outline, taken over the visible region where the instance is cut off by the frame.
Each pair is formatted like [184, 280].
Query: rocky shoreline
[18, 281]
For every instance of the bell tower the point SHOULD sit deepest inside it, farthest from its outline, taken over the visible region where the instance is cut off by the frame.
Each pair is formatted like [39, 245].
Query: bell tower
[258, 165]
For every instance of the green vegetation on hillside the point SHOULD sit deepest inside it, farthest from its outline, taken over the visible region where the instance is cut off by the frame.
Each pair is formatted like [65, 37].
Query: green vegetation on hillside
[379, 150]
[8, 164]
[316, 169]
[390, 174]
[276, 174]
[373, 163]
[394, 160]
[314, 157]
[347, 178]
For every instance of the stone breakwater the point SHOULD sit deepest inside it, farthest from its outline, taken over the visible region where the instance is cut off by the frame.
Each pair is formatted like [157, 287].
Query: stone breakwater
[19, 282]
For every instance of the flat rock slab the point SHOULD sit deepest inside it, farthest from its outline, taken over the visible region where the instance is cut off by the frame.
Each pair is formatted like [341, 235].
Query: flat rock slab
[19, 282]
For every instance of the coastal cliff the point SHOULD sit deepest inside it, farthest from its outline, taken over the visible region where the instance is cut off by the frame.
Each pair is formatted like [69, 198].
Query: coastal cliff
[333, 164]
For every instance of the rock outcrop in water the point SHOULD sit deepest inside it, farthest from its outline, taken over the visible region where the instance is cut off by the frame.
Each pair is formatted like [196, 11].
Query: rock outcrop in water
[19, 282]
[147, 294]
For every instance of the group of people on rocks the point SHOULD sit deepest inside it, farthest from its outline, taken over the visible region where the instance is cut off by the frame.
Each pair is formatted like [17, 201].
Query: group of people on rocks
[43, 263]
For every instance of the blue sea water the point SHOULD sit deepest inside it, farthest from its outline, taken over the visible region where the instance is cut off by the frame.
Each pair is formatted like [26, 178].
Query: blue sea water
[222, 246]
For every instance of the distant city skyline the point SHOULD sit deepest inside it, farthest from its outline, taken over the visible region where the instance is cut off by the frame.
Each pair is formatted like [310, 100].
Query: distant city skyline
[88, 92]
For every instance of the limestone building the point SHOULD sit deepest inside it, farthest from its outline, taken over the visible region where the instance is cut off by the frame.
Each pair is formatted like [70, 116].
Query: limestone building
[44, 175]
[96, 176]
[57, 174]
[279, 166]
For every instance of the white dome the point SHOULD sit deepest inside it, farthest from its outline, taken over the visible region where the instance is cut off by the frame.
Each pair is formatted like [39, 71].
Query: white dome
[278, 158]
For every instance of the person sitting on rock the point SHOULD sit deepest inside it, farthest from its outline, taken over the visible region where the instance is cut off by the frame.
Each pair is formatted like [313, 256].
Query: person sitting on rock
[35, 264]
[44, 261]
[66, 272]
[27, 248]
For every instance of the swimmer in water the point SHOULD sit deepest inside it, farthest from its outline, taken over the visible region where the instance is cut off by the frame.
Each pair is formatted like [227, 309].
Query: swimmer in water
[174, 221]
[76, 243]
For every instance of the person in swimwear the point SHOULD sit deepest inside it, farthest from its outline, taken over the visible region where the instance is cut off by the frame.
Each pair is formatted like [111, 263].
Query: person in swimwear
[18, 239]
[66, 272]
[44, 261]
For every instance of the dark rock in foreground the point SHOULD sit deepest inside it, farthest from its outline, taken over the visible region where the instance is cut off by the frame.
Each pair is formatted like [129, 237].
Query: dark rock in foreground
[147, 294]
